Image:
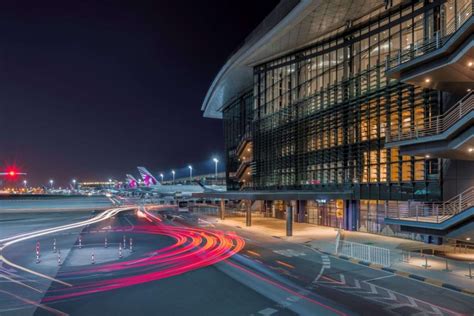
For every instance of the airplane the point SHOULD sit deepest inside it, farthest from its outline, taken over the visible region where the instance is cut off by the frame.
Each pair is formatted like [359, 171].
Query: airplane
[152, 185]
[132, 182]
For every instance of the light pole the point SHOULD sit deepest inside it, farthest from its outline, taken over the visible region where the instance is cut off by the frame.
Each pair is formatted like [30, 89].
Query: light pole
[110, 182]
[162, 176]
[190, 173]
[216, 161]
[173, 173]
[51, 183]
[25, 182]
[74, 183]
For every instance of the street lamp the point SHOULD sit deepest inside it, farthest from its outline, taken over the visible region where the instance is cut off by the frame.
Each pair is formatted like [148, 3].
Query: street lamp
[190, 173]
[51, 183]
[25, 182]
[173, 173]
[216, 161]
[162, 176]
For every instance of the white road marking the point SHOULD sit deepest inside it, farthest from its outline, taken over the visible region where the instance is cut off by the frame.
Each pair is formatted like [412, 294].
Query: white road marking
[382, 277]
[289, 253]
[267, 311]
[25, 236]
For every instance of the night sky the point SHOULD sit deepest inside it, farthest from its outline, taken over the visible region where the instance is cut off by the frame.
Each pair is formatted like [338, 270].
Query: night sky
[91, 89]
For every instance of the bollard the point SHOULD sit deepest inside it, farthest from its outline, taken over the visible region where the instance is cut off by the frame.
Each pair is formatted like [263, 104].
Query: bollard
[105, 242]
[447, 266]
[59, 259]
[131, 244]
[120, 251]
[37, 258]
[54, 245]
[470, 271]
[80, 242]
[38, 247]
[124, 241]
[92, 258]
[426, 266]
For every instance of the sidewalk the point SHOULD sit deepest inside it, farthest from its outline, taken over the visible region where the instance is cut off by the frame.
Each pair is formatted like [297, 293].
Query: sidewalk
[324, 239]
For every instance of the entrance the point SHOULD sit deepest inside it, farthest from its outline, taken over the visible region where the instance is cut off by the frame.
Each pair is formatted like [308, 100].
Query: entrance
[326, 212]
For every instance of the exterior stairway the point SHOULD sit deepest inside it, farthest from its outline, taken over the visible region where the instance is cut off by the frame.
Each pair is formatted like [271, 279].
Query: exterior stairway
[439, 216]
[437, 127]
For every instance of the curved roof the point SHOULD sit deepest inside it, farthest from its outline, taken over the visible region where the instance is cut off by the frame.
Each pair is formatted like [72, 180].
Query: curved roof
[291, 25]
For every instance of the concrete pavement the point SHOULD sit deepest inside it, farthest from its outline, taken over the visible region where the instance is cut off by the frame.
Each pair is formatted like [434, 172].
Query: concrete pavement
[324, 239]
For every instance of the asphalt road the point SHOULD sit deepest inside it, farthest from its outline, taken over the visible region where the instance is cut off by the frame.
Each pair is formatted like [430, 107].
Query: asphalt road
[268, 276]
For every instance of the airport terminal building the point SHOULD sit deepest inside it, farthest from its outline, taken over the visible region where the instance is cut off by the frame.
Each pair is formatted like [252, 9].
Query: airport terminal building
[355, 114]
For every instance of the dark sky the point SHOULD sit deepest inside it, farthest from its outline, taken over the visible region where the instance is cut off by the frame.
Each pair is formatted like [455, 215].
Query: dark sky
[91, 89]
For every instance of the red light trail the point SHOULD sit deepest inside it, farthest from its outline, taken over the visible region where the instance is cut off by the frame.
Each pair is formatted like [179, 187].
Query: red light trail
[193, 248]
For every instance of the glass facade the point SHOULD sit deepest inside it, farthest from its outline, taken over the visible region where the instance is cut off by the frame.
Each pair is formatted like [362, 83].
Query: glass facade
[237, 117]
[321, 114]
[319, 118]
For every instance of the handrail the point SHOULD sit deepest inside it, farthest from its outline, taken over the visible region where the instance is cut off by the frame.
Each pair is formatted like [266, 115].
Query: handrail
[243, 142]
[438, 40]
[434, 125]
[436, 212]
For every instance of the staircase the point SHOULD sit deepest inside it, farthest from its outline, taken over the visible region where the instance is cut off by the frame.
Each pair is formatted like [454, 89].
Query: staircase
[435, 213]
[435, 125]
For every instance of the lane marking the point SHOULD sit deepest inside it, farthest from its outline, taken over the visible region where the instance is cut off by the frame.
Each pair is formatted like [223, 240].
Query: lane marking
[268, 311]
[379, 278]
[253, 253]
[20, 283]
[25, 300]
[25, 236]
[285, 264]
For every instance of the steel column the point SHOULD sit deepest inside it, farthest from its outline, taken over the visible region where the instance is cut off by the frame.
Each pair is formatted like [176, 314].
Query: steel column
[248, 214]
[222, 209]
[289, 220]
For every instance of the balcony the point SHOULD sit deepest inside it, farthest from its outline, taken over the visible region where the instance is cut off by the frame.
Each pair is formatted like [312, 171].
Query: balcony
[449, 135]
[436, 216]
[442, 60]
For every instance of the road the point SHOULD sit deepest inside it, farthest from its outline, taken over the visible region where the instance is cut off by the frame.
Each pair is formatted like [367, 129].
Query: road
[184, 265]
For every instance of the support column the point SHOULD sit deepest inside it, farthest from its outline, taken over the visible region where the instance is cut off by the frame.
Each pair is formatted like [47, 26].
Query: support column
[301, 211]
[289, 219]
[222, 209]
[248, 214]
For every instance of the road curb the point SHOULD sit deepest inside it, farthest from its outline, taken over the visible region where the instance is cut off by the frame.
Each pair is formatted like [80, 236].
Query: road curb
[426, 280]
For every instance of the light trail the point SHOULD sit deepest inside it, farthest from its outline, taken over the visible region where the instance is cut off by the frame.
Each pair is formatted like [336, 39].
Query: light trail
[193, 248]
[33, 303]
[6, 242]
[280, 286]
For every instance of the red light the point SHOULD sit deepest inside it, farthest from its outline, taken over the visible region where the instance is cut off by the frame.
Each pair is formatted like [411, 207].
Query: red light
[11, 173]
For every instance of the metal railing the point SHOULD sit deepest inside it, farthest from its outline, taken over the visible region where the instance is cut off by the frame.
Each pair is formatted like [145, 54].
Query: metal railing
[436, 212]
[436, 41]
[434, 125]
[365, 253]
[247, 137]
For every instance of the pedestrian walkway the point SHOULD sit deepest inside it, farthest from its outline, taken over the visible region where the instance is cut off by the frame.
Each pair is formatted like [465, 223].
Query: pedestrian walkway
[408, 256]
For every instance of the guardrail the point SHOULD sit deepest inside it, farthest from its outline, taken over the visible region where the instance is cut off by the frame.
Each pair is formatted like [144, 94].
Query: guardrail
[439, 38]
[435, 125]
[435, 212]
[367, 253]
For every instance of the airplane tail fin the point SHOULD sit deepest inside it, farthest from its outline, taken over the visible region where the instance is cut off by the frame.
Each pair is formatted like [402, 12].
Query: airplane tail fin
[147, 177]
